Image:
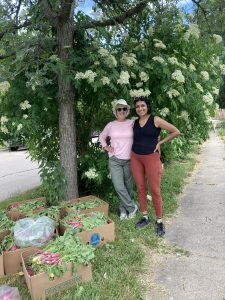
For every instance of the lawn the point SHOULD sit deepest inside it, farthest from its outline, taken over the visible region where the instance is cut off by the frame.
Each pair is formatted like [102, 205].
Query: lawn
[118, 265]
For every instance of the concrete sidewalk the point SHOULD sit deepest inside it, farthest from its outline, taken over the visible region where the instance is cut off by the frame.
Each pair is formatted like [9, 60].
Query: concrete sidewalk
[200, 229]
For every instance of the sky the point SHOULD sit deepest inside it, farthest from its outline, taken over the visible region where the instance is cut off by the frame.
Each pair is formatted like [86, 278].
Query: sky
[86, 5]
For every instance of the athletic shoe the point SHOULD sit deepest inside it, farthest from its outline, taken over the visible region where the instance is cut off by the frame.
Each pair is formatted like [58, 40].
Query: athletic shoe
[160, 229]
[142, 223]
[133, 213]
[123, 216]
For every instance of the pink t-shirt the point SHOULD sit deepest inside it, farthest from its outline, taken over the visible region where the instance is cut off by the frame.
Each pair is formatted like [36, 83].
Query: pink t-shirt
[121, 138]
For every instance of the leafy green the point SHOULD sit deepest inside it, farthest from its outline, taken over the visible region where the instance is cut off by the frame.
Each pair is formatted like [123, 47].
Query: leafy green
[83, 205]
[68, 248]
[81, 222]
[5, 222]
[26, 207]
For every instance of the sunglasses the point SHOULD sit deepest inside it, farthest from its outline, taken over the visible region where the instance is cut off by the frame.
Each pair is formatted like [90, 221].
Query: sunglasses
[121, 109]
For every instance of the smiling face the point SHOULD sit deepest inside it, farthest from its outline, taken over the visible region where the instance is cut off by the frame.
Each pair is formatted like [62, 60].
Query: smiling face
[121, 112]
[141, 108]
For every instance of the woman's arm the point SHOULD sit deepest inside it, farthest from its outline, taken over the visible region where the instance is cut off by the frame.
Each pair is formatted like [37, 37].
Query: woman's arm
[102, 138]
[174, 132]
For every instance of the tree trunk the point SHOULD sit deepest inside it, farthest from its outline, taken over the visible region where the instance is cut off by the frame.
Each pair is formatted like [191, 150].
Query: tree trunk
[67, 135]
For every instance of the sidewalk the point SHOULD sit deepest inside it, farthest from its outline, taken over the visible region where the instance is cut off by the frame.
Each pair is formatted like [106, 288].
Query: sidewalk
[200, 229]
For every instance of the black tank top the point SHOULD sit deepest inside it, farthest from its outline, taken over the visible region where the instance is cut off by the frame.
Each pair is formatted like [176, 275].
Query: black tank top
[146, 137]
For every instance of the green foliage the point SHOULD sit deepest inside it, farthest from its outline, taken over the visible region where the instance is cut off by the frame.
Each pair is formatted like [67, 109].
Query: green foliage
[53, 182]
[5, 222]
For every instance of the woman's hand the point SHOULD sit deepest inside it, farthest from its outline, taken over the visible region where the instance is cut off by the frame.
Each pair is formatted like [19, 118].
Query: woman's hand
[109, 149]
[157, 148]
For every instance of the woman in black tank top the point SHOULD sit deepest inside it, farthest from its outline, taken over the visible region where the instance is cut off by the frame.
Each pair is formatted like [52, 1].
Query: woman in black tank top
[145, 159]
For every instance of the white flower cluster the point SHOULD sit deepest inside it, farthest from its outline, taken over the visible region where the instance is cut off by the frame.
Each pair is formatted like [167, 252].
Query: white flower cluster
[150, 31]
[4, 129]
[4, 87]
[164, 112]
[173, 93]
[139, 84]
[173, 60]
[109, 59]
[192, 31]
[54, 58]
[198, 86]
[25, 105]
[89, 75]
[215, 60]
[178, 76]
[218, 38]
[91, 173]
[105, 80]
[4, 119]
[159, 44]
[191, 67]
[25, 116]
[205, 75]
[124, 78]
[144, 76]
[215, 90]
[19, 127]
[103, 52]
[158, 59]
[208, 98]
[184, 115]
[139, 93]
[128, 59]
[222, 69]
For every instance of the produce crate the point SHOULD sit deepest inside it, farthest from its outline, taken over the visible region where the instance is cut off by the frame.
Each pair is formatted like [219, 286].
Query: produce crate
[104, 207]
[97, 236]
[12, 259]
[2, 273]
[2, 235]
[16, 215]
[40, 287]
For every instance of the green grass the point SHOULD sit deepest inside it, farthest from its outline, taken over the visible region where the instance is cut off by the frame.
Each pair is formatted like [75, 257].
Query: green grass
[117, 265]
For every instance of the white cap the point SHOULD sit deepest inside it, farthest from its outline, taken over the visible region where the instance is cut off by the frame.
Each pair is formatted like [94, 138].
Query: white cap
[117, 102]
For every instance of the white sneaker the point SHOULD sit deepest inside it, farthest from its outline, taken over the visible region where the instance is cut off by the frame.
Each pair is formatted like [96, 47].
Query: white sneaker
[133, 213]
[123, 216]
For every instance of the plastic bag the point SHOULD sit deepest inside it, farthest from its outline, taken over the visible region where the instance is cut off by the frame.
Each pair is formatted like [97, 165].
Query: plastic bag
[29, 232]
[9, 293]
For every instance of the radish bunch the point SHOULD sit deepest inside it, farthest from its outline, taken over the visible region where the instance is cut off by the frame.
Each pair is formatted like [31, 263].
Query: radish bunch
[47, 257]
[75, 223]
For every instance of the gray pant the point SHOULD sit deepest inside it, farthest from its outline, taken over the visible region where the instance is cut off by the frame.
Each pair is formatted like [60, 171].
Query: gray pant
[123, 182]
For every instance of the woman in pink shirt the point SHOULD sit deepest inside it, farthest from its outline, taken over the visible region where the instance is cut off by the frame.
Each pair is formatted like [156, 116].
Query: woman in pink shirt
[120, 132]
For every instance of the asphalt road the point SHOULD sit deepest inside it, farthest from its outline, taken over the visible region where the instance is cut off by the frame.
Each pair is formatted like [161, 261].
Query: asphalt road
[17, 173]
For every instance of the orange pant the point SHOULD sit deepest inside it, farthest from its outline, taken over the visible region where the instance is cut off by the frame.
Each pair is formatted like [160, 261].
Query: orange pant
[149, 166]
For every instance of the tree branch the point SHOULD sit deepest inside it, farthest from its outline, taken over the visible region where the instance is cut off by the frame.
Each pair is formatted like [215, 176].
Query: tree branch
[17, 12]
[118, 19]
[204, 11]
[15, 27]
[48, 11]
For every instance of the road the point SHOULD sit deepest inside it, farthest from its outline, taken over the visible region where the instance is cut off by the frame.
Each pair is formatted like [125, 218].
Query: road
[17, 173]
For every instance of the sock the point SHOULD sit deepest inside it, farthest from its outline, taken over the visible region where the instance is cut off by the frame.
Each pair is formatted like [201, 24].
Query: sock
[145, 216]
[159, 220]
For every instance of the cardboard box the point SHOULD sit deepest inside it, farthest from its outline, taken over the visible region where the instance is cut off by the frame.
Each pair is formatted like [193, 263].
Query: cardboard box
[41, 287]
[2, 273]
[2, 235]
[16, 215]
[104, 207]
[12, 260]
[98, 236]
